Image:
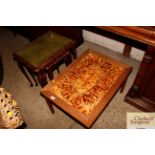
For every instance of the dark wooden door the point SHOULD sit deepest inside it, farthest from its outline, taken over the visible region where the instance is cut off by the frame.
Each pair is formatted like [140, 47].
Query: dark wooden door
[147, 90]
[150, 91]
[142, 92]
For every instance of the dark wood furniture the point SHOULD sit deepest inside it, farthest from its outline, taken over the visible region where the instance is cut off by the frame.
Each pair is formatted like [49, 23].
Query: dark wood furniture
[43, 55]
[142, 37]
[86, 86]
[33, 32]
[142, 92]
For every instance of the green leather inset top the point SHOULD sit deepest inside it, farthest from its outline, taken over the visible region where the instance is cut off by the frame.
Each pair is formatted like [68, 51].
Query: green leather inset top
[43, 47]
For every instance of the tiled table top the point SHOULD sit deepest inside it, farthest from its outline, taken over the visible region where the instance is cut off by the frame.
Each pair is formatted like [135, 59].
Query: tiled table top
[85, 87]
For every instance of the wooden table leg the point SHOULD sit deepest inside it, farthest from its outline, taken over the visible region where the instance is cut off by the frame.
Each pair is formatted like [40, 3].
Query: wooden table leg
[49, 103]
[21, 67]
[74, 53]
[50, 73]
[68, 59]
[123, 86]
[41, 75]
[32, 75]
[127, 50]
[58, 70]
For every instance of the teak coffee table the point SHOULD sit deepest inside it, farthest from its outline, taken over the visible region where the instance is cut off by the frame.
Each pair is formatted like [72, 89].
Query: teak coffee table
[86, 86]
[43, 55]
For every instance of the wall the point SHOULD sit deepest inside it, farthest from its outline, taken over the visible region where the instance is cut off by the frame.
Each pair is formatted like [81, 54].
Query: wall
[111, 44]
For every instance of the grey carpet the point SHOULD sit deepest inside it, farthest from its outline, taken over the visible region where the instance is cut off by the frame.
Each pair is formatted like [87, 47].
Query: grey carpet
[34, 108]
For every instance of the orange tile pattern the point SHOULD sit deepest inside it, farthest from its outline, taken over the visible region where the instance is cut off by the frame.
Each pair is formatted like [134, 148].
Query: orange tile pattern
[87, 82]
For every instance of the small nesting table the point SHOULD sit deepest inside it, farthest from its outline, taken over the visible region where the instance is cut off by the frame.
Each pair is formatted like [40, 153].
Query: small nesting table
[86, 86]
[43, 55]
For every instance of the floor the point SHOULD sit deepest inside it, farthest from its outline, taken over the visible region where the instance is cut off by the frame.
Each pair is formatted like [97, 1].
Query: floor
[34, 108]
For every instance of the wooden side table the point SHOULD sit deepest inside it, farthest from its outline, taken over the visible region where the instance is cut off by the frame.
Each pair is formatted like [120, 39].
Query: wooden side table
[86, 86]
[43, 54]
